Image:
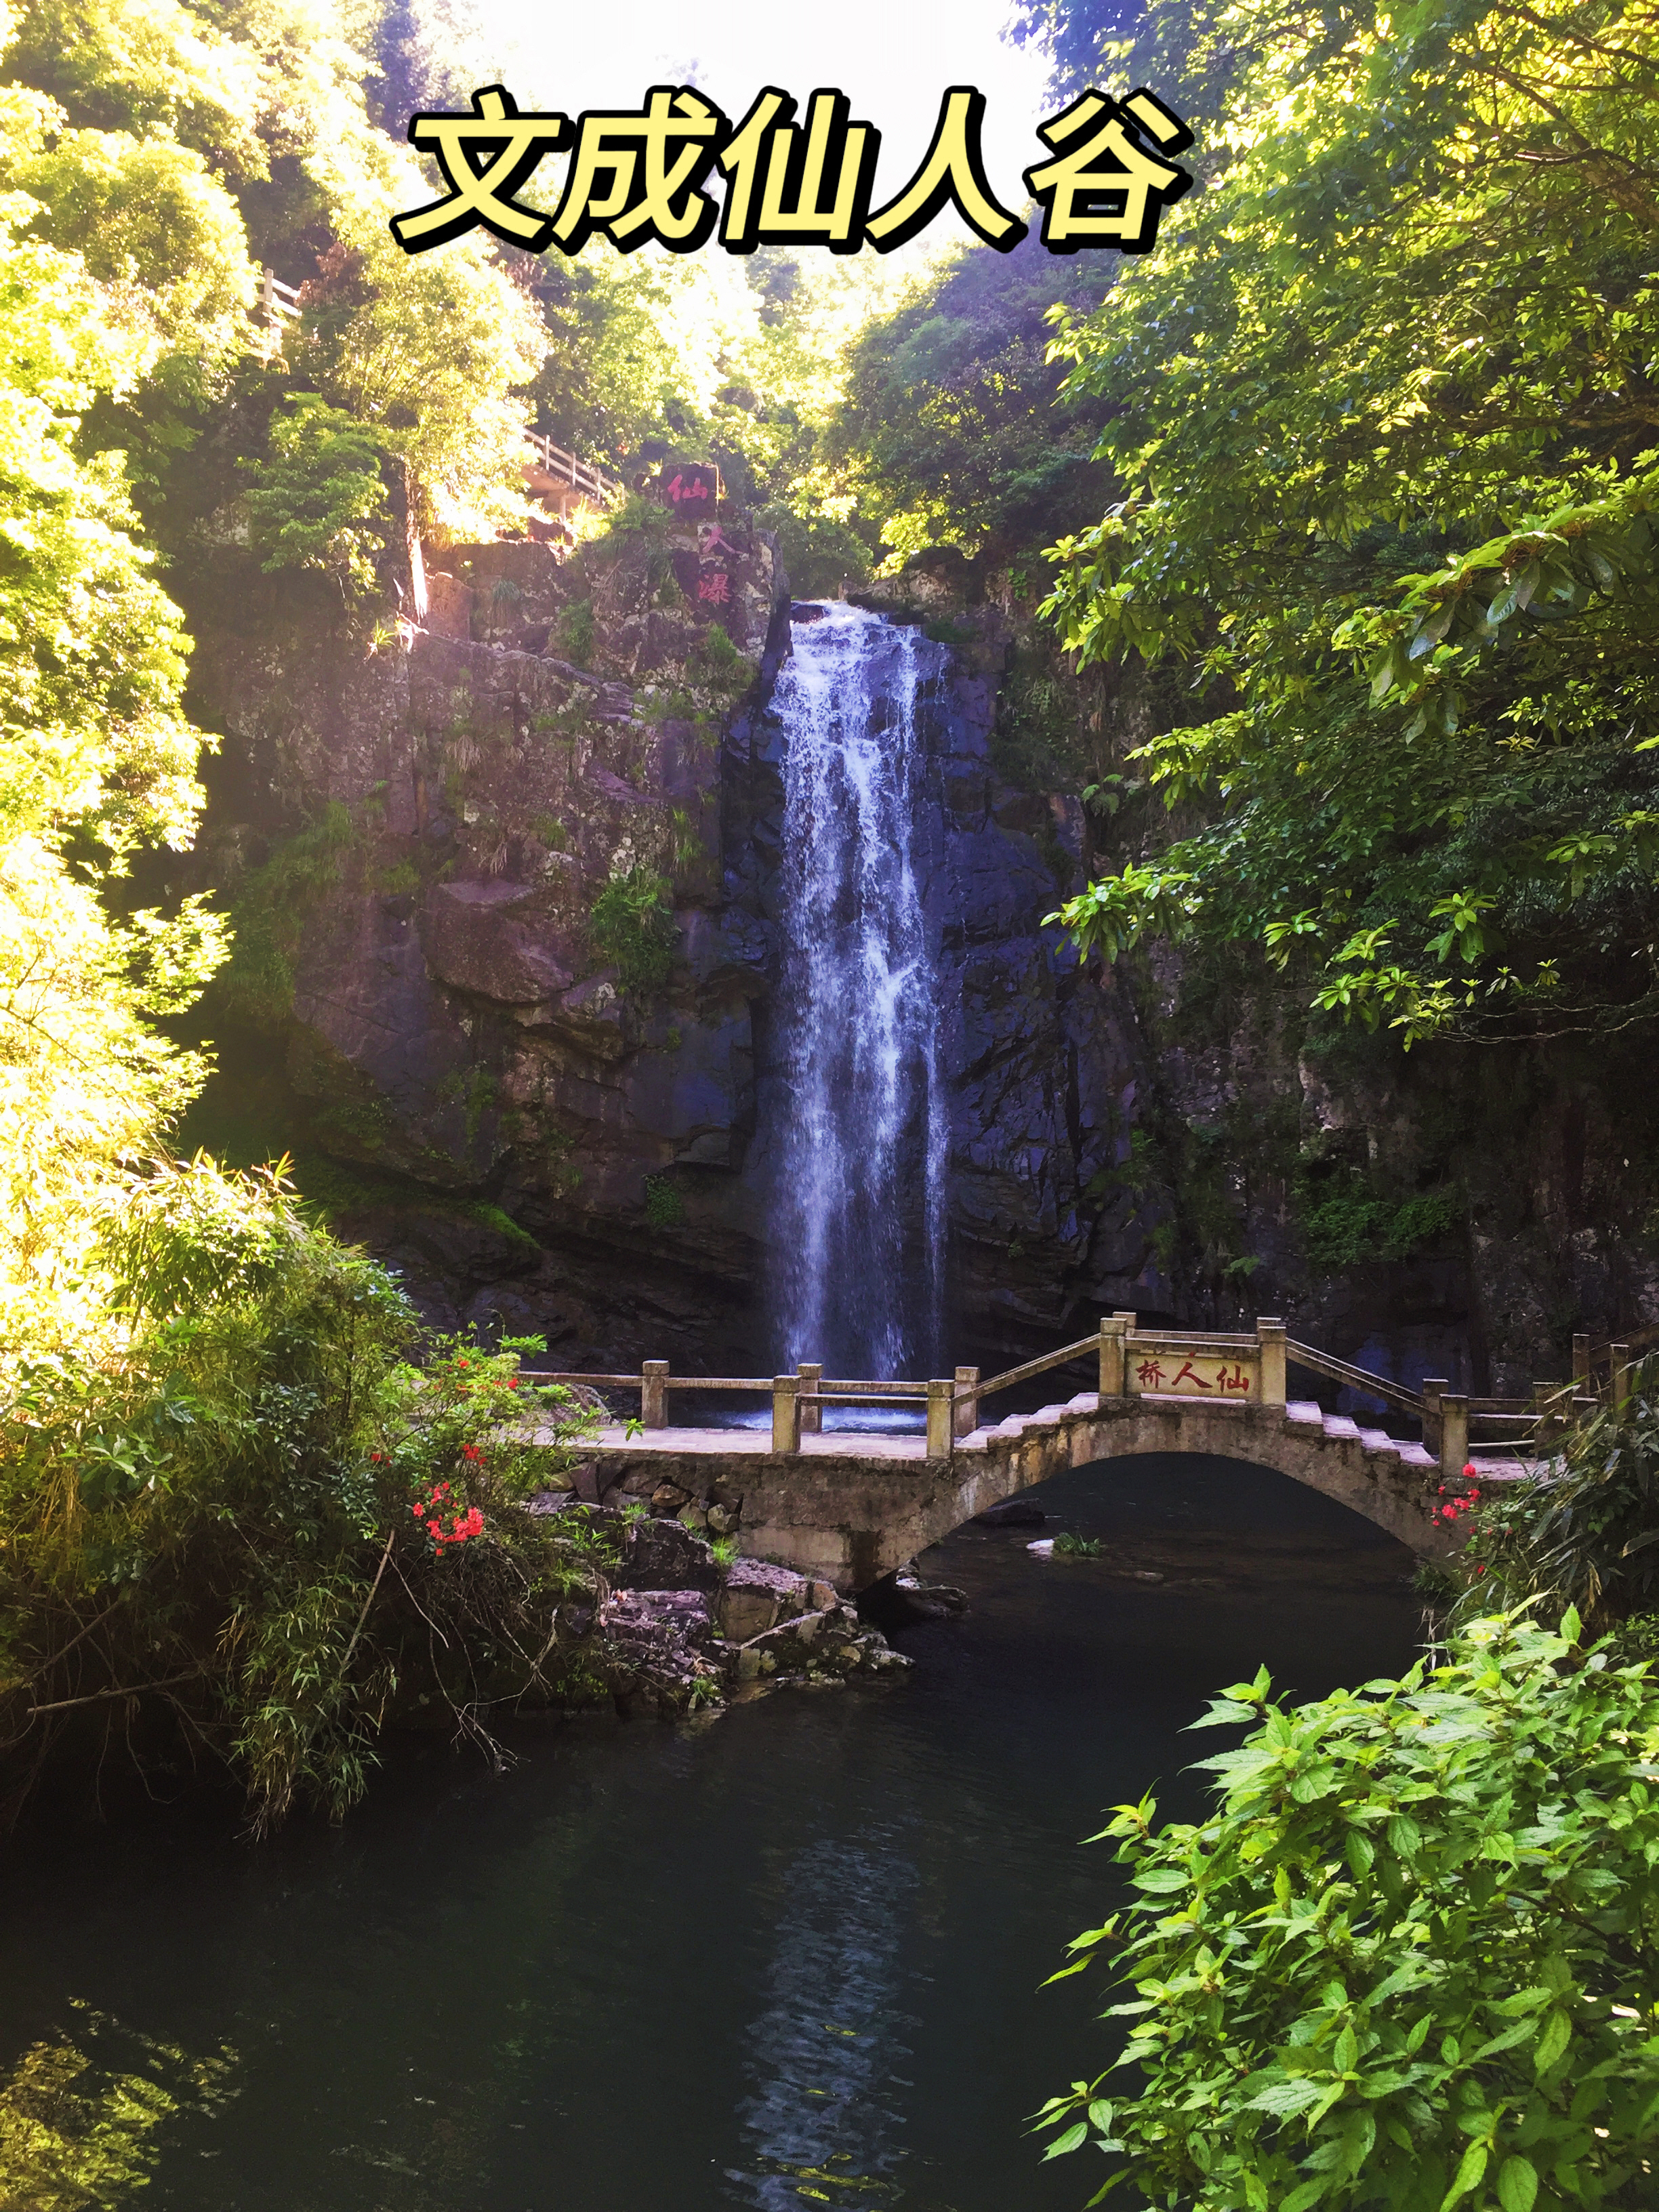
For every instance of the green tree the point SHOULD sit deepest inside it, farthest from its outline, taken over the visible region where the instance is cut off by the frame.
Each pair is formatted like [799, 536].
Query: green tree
[160, 235]
[431, 354]
[204, 1515]
[1077, 35]
[95, 761]
[1409, 1962]
[954, 430]
[1381, 410]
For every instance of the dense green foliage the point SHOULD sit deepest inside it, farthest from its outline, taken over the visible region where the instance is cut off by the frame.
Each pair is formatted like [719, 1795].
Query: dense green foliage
[1408, 1960]
[1075, 36]
[1381, 410]
[217, 1420]
[1347, 1221]
[96, 760]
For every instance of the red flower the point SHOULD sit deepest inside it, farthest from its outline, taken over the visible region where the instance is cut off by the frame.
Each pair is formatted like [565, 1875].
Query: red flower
[1449, 1513]
[1481, 1570]
[1469, 1468]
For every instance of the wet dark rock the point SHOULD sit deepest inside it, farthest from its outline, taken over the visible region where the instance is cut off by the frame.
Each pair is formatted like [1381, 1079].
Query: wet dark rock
[1012, 1513]
[832, 1643]
[584, 1481]
[898, 1602]
[652, 1624]
[661, 1555]
[493, 939]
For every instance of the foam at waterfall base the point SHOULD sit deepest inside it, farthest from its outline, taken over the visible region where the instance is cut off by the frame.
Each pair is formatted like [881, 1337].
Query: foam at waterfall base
[864, 1420]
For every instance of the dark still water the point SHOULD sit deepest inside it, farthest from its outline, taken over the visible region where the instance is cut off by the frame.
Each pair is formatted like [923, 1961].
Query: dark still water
[791, 1959]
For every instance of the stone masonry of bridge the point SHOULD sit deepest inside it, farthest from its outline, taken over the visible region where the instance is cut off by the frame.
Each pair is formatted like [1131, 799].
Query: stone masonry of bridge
[850, 1509]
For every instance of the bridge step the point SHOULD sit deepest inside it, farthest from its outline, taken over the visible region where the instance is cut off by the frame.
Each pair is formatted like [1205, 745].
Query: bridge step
[1305, 1414]
[1302, 1413]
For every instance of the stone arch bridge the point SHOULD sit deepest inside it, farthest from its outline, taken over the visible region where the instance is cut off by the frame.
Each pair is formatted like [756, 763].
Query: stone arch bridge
[850, 1507]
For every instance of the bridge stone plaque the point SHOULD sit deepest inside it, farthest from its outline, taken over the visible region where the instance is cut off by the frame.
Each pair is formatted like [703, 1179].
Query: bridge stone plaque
[1192, 1371]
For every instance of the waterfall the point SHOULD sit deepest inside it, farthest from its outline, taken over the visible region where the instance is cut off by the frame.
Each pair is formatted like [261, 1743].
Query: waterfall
[860, 1211]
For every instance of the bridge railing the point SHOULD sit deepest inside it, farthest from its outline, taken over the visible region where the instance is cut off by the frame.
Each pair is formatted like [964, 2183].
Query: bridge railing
[1211, 1367]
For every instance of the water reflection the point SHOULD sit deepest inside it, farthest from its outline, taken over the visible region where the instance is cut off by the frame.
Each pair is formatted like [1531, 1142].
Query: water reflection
[792, 1961]
[81, 2115]
[830, 2045]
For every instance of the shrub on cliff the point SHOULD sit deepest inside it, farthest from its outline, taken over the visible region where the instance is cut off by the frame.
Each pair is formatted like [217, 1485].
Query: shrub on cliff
[632, 926]
[318, 500]
[1409, 1962]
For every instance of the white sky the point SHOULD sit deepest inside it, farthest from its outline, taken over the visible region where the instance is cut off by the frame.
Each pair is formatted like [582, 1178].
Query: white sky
[893, 60]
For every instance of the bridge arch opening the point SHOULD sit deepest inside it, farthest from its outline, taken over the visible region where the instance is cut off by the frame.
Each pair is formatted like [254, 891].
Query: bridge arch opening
[1182, 1497]
[1203, 1531]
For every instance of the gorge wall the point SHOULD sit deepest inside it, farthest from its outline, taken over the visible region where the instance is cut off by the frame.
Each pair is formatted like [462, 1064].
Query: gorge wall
[500, 1065]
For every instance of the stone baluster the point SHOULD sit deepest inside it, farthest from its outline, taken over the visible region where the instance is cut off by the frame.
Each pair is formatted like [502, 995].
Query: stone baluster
[1454, 1433]
[1270, 1340]
[1433, 1387]
[940, 1441]
[810, 1373]
[653, 1395]
[1580, 1359]
[786, 1413]
[1112, 1333]
[967, 1409]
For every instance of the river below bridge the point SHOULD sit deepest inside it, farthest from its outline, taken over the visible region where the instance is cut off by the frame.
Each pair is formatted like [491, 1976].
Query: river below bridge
[790, 1957]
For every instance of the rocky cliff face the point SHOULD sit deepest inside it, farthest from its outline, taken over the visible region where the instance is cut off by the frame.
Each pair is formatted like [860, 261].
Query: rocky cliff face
[542, 1119]
[551, 1096]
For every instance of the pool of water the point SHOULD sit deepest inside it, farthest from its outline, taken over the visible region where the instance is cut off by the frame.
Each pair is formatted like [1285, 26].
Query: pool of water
[788, 1959]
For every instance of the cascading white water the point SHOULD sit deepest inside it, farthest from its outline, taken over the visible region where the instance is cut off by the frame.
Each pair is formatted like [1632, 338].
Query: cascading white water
[861, 1217]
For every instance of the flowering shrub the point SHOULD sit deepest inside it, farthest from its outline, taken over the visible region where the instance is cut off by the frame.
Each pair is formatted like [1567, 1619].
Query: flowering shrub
[460, 1428]
[1408, 1962]
[1459, 1501]
[272, 1522]
[430, 1511]
[1586, 1534]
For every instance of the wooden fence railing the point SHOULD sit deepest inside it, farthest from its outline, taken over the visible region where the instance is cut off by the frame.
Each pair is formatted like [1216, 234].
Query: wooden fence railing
[1234, 1368]
[280, 302]
[281, 306]
[593, 484]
